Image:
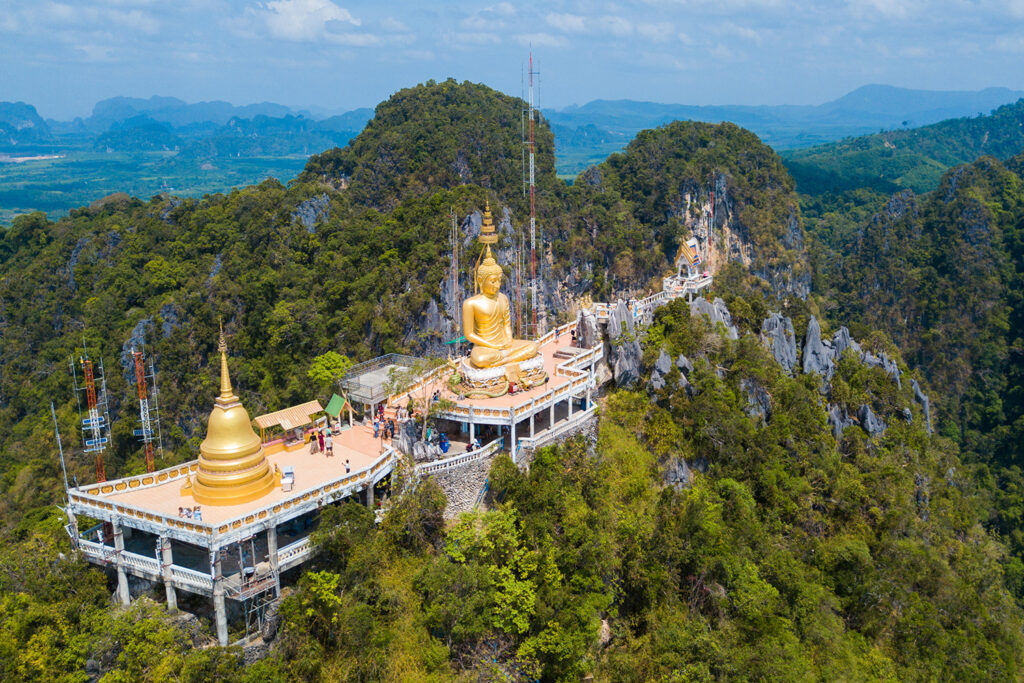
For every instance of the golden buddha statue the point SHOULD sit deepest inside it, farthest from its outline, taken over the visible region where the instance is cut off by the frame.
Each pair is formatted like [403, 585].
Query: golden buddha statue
[486, 316]
[232, 465]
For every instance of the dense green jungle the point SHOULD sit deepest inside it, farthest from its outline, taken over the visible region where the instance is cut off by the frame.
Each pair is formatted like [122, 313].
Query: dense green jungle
[787, 552]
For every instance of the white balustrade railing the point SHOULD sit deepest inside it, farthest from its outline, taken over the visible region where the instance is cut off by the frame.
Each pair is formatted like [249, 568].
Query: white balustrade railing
[190, 578]
[140, 563]
[552, 434]
[460, 460]
[294, 553]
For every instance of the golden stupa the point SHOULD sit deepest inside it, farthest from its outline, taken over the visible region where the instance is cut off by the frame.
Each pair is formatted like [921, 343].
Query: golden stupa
[232, 466]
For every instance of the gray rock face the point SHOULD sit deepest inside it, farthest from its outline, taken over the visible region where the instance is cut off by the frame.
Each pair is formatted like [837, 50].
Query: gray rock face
[777, 333]
[312, 211]
[869, 422]
[685, 365]
[759, 403]
[838, 420]
[907, 415]
[678, 474]
[587, 333]
[406, 434]
[169, 314]
[817, 357]
[625, 348]
[926, 408]
[716, 312]
[885, 363]
[841, 341]
[661, 368]
[620, 321]
[627, 363]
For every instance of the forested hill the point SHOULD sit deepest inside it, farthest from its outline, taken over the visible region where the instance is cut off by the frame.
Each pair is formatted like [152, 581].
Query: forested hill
[907, 159]
[698, 536]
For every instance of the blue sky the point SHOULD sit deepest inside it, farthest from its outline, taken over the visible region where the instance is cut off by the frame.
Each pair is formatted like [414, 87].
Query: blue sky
[64, 55]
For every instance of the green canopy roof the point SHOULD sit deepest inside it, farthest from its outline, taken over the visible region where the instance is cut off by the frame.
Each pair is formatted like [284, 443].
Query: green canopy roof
[335, 405]
[456, 341]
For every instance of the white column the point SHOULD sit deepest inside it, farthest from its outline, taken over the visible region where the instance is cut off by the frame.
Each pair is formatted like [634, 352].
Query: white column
[571, 399]
[551, 414]
[472, 431]
[122, 578]
[272, 557]
[369, 495]
[167, 559]
[512, 435]
[533, 411]
[219, 611]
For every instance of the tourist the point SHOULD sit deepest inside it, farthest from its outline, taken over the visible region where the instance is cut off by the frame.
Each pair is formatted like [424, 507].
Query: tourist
[376, 427]
[181, 511]
[314, 443]
[329, 442]
[391, 427]
[197, 514]
[320, 439]
[348, 467]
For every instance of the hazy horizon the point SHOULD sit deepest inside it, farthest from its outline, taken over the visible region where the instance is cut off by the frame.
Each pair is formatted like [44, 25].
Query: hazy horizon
[63, 58]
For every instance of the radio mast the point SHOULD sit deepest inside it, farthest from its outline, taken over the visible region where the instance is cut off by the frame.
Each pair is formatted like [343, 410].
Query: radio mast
[533, 216]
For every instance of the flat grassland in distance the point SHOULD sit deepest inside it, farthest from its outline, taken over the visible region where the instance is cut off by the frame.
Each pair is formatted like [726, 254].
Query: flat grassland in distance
[80, 177]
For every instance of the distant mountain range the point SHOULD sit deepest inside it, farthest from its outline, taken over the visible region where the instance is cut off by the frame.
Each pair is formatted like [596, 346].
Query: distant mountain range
[587, 134]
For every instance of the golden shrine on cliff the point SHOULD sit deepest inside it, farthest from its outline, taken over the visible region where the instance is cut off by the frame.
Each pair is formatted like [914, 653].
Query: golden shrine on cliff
[497, 360]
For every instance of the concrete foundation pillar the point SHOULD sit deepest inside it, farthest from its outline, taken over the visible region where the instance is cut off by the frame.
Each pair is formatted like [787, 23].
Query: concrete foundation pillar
[122, 576]
[272, 557]
[369, 495]
[531, 425]
[220, 613]
[572, 399]
[166, 560]
[551, 415]
[512, 435]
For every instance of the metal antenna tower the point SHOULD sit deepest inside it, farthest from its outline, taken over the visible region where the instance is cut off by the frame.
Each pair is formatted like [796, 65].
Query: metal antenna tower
[533, 215]
[96, 420]
[149, 412]
[60, 447]
[455, 239]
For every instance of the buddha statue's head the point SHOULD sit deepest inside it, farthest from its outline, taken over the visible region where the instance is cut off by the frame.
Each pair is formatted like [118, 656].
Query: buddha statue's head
[489, 275]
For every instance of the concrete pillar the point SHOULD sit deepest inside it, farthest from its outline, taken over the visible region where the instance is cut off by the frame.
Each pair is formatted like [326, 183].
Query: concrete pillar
[166, 560]
[551, 414]
[220, 614]
[571, 400]
[122, 577]
[272, 557]
[531, 425]
[512, 435]
[369, 495]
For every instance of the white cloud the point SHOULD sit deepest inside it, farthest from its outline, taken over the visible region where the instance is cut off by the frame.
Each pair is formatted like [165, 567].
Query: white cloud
[569, 23]
[392, 24]
[502, 9]
[542, 40]
[303, 20]
[656, 33]
[353, 39]
[617, 26]
[1012, 44]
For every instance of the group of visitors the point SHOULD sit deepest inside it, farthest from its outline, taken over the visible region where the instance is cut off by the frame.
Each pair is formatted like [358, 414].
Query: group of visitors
[387, 424]
[191, 513]
[321, 441]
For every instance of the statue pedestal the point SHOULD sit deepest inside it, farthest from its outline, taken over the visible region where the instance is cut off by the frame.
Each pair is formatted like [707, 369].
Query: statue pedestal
[493, 382]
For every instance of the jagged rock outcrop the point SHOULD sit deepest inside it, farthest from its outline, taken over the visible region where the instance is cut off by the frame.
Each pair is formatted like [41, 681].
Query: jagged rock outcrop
[759, 403]
[407, 433]
[678, 474]
[685, 365]
[869, 422]
[838, 420]
[926, 408]
[625, 349]
[816, 358]
[312, 211]
[777, 334]
[716, 312]
[885, 363]
[661, 368]
[587, 333]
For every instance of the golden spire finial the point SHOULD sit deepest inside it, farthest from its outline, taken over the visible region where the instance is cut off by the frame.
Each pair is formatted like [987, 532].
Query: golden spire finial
[225, 379]
[487, 232]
